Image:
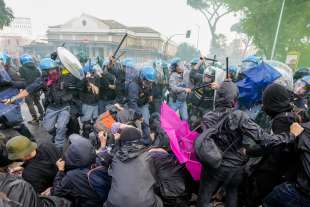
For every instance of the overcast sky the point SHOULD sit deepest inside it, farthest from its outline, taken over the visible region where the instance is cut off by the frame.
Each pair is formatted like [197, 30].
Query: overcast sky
[166, 16]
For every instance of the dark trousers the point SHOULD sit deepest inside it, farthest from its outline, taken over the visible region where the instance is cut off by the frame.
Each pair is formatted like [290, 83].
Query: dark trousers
[286, 195]
[212, 179]
[34, 100]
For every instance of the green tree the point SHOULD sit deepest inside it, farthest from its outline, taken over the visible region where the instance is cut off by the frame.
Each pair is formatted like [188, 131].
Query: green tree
[212, 11]
[6, 15]
[187, 52]
[259, 21]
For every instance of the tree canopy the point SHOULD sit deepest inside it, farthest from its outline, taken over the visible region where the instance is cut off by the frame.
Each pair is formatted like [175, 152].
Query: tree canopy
[212, 11]
[259, 20]
[6, 15]
[187, 52]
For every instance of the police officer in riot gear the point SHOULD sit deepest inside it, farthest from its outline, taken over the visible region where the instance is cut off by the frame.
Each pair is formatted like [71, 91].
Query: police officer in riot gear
[301, 97]
[202, 97]
[30, 72]
[140, 92]
[58, 85]
[10, 116]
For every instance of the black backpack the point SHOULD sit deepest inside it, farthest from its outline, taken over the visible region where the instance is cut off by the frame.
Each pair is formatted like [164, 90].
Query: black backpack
[207, 151]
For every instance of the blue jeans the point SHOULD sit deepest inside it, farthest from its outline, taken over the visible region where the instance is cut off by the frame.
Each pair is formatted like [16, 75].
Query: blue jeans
[57, 118]
[180, 106]
[145, 113]
[286, 195]
[90, 112]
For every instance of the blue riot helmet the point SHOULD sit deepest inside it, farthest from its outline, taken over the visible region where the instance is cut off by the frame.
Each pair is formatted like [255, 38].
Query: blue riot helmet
[127, 61]
[176, 65]
[148, 73]
[2, 58]
[175, 61]
[130, 64]
[233, 72]
[302, 86]
[195, 61]
[48, 64]
[89, 67]
[5, 58]
[24, 59]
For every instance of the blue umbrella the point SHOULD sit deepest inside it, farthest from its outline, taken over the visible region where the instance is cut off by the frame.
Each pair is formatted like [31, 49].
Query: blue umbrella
[256, 80]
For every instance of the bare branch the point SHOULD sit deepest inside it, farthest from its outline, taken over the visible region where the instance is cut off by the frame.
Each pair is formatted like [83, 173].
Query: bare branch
[221, 15]
[211, 26]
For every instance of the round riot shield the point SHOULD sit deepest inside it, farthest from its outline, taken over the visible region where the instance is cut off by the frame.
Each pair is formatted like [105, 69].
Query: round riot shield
[71, 63]
[287, 74]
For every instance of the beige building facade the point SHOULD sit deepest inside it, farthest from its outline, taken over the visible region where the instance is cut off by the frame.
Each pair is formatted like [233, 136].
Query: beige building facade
[97, 37]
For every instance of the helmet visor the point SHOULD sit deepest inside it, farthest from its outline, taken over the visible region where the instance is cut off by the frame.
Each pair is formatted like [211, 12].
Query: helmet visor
[300, 88]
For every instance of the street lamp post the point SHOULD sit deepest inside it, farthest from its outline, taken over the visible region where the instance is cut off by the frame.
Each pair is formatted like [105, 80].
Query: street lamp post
[277, 32]
[198, 31]
[172, 36]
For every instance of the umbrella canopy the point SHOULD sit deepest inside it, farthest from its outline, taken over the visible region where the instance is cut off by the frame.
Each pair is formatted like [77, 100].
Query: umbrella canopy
[256, 80]
[287, 73]
[181, 140]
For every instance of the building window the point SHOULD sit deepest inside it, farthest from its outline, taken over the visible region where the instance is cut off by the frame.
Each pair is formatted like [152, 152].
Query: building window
[84, 22]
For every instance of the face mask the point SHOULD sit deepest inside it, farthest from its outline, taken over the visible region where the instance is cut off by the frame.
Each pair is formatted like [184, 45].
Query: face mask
[53, 76]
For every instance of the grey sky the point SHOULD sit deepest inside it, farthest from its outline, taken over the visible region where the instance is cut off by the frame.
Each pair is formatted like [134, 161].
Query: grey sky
[166, 16]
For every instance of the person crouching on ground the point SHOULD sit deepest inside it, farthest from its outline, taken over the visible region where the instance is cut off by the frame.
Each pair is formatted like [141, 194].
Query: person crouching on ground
[132, 173]
[39, 167]
[71, 181]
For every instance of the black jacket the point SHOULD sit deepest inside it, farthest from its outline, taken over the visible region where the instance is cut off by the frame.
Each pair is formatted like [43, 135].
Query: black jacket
[18, 190]
[60, 94]
[106, 93]
[237, 127]
[133, 179]
[73, 183]
[303, 149]
[41, 170]
[29, 72]
[85, 94]
[138, 95]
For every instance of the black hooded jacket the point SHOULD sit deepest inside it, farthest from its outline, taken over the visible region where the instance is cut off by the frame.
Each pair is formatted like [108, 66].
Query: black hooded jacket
[237, 127]
[132, 173]
[73, 183]
[18, 190]
[41, 170]
[276, 100]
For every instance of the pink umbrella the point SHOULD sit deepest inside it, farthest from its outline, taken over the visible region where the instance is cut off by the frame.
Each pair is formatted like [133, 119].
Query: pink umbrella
[181, 139]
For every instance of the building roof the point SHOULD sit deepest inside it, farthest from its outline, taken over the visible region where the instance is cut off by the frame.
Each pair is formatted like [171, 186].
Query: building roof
[142, 30]
[116, 25]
